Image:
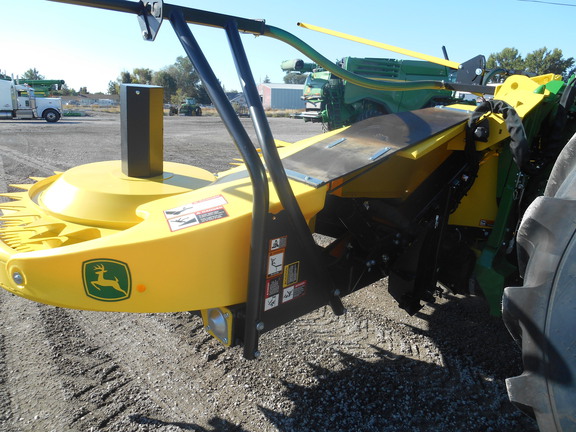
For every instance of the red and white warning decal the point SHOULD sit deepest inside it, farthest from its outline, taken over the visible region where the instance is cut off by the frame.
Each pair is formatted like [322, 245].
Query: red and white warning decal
[293, 292]
[195, 213]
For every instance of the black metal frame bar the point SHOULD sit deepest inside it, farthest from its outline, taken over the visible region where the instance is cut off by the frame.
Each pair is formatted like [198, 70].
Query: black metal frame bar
[280, 181]
[255, 168]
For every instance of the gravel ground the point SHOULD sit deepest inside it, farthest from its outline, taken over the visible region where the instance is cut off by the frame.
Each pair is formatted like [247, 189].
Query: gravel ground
[373, 369]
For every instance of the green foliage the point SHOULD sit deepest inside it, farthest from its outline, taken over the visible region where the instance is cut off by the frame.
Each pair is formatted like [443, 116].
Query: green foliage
[538, 62]
[178, 97]
[544, 61]
[295, 78]
[179, 80]
[125, 77]
[32, 74]
[113, 88]
[167, 81]
[508, 59]
[142, 75]
[65, 91]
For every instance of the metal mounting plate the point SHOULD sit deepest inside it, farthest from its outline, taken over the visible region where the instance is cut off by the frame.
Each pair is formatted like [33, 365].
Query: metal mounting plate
[150, 18]
[369, 142]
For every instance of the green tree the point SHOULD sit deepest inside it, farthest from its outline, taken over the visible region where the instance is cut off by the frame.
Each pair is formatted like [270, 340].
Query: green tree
[125, 77]
[65, 91]
[178, 97]
[168, 82]
[142, 75]
[83, 90]
[113, 88]
[543, 61]
[179, 80]
[508, 59]
[295, 78]
[32, 74]
[540, 61]
[187, 79]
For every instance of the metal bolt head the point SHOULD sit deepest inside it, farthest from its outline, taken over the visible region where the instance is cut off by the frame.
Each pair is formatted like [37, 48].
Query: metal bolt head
[18, 278]
[145, 34]
[257, 354]
[260, 326]
[156, 9]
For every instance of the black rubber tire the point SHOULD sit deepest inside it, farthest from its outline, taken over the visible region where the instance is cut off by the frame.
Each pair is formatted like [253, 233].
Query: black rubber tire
[51, 115]
[541, 314]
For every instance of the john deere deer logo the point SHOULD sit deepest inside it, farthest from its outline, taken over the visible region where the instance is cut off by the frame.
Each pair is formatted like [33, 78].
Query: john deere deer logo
[106, 280]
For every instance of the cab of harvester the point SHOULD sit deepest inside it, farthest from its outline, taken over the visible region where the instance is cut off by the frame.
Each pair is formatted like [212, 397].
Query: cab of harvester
[430, 198]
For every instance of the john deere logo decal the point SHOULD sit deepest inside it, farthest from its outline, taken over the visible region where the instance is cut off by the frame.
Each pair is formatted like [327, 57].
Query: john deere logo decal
[106, 279]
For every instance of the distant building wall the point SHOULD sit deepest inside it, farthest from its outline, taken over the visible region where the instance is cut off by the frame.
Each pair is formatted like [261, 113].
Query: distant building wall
[281, 96]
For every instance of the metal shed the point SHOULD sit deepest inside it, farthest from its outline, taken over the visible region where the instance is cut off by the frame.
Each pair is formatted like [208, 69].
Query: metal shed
[281, 96]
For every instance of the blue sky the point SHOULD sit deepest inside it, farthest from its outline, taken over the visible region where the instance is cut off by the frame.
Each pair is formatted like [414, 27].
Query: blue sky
[90, 47]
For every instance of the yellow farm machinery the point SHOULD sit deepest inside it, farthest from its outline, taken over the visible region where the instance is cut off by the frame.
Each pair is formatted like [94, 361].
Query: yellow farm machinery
[450, 197]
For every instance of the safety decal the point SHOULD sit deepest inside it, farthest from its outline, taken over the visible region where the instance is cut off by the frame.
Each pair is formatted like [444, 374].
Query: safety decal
[196, 213]
[294, 291]
[278, 243]
[275, 264]
[106, 279]
[271, 302]
[291, 272]
[272, 286]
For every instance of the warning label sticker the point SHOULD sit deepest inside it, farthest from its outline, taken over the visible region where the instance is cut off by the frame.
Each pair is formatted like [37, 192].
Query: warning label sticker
[275, 264]
[196, 213]
[291, 272]
[293, 292]
[271, 302]
[278, 243]
[272, 286]
[288, 294]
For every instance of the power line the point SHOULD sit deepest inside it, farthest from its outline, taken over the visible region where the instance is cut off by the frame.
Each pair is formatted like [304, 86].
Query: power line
[550, 3]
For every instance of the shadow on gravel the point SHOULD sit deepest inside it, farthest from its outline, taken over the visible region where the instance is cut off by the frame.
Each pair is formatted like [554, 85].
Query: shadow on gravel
[455, 385]
[216, 424]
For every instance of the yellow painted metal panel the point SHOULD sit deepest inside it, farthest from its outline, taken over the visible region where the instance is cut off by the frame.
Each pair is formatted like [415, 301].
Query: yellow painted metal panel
[175, 261]
[478, 208]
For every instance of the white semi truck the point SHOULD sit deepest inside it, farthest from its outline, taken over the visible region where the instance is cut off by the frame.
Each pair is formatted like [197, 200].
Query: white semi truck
[19, 102]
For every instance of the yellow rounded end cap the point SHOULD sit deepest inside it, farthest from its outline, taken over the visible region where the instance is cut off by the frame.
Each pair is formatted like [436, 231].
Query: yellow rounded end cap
[99, 194]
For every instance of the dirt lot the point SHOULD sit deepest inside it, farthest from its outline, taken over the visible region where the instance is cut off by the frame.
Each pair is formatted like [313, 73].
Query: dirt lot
[373, 369]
